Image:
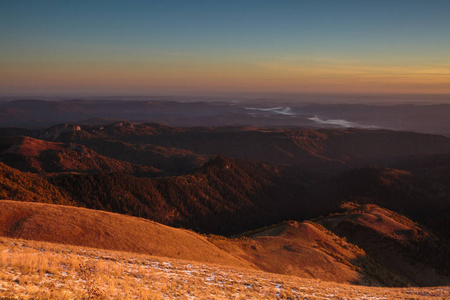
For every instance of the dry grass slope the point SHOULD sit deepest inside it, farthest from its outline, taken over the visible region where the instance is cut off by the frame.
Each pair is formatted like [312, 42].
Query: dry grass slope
[415, 255]
[302, 249]
[38, 270]
[91, 228]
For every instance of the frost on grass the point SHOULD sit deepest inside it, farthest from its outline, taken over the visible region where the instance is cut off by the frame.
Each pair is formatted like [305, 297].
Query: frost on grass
[34, 270]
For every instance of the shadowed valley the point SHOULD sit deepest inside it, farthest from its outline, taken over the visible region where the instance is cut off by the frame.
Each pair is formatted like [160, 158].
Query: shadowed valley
[337, 218]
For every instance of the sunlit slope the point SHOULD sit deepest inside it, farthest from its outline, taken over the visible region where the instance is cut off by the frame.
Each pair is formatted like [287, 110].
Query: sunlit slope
[91, 228]
[424, 198]
[35, 155]
[22, 186]
[40, 270]
[409, 253]
[367, 245]
[304, 249]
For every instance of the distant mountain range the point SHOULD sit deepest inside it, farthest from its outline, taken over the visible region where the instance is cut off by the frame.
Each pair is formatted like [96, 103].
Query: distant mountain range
[423, 118]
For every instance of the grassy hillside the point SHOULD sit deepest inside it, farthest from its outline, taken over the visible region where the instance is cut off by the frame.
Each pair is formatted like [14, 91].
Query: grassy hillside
[38, 270]
[91, 228]
[413, 254]
[370, 237]
[387, 252]
[302, 249]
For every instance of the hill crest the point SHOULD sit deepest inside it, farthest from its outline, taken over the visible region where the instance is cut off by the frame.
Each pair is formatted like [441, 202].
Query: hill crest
[99, 229]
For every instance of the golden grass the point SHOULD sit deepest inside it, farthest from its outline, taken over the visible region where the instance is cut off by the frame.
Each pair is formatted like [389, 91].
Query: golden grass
[39, 270]
[99, 229]
[305, 249]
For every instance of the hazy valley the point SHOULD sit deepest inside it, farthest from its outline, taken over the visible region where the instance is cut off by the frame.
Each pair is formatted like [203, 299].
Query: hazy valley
[358, 206]
[427, 113]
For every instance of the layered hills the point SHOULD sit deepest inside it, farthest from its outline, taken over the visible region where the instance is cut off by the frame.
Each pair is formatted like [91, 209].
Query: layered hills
[21, 186]
[328, 149]
[225, 196]
[408, 252]
[337, 218]
[39, 156]
[247, 194]
[374, 254]
[188, 112]
[179, 150]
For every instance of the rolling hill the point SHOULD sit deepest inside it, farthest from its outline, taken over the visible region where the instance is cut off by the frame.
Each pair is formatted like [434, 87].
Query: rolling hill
[369, 246]
[412, 253]
[422, 198]
[303, 249]
[366, 245]
[366, 233]
[97, 229]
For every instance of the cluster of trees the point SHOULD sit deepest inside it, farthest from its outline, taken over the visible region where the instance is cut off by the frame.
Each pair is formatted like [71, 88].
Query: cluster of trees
[420, 198]
[224, 197]
[20, 186]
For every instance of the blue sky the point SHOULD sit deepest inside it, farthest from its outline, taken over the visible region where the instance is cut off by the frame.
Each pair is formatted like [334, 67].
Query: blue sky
[292, 46]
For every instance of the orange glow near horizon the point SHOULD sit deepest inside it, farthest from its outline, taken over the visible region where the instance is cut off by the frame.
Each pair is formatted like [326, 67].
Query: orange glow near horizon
[148, 47]
[234, 76]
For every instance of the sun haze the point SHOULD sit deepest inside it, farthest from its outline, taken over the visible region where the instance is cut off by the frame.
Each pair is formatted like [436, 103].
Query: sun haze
[150, 47]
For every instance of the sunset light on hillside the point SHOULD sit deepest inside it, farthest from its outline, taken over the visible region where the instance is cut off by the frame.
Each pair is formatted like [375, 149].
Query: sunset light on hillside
[204, 149]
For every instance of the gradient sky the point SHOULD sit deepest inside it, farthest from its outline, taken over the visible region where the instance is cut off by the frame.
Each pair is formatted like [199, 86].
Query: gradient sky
[150, 47]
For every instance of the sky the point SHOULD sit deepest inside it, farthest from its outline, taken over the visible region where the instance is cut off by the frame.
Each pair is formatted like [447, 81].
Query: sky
[173, 47]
